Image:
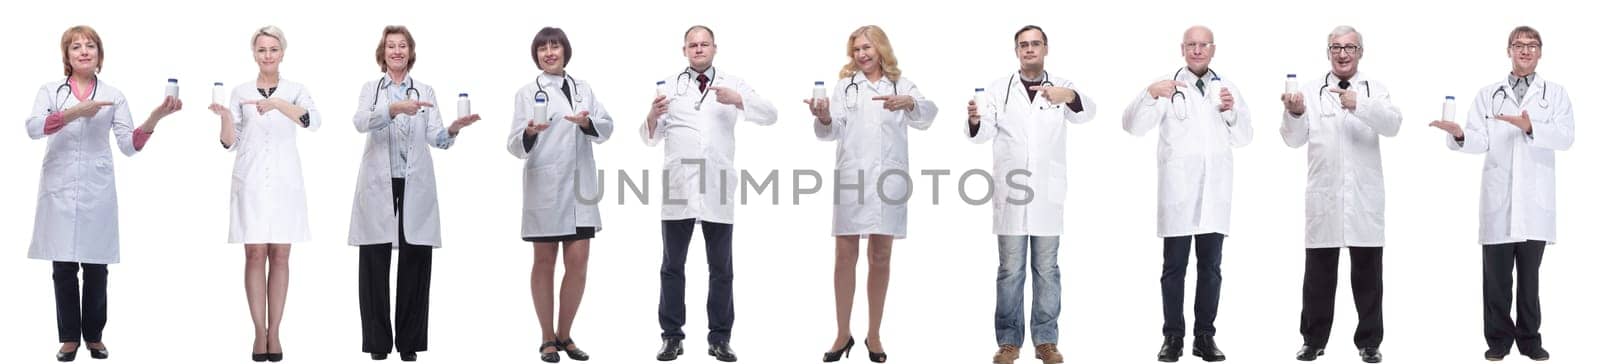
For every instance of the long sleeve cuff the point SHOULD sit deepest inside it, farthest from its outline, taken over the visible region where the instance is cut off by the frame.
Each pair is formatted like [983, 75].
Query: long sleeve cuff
[54, 123]
[1077, 104]
[140, 137]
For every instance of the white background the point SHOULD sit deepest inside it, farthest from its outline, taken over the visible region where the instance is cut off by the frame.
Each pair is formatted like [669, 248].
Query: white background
[177, 296]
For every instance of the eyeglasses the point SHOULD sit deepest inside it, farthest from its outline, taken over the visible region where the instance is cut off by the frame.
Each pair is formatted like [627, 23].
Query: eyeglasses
[1030, 44]
[1191, 46]
[1532, 47]
[1345, 48]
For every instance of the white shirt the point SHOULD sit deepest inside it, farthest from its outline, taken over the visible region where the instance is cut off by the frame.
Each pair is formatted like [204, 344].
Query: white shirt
[1344, 169]
[703, 133]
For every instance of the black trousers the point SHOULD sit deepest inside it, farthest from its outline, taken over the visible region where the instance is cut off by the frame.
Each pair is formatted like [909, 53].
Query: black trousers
[675, 236]
[76, 320]
[1321, 284]
[410, 332]
[1498, 262]
[1208, 287]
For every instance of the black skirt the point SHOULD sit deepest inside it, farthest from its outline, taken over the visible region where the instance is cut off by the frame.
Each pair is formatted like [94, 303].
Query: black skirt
[584, 233]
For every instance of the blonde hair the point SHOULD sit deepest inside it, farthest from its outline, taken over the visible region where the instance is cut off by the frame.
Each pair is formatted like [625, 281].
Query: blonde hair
[270, 31]
[880, 43]
[88, 34]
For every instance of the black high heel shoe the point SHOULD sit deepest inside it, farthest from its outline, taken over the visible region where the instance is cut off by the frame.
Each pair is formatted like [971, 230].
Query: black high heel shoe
[833, 356]
[550, 357]
[100, 353]
[258, 357]
[876, 356]
[66, 356]
[573, 353]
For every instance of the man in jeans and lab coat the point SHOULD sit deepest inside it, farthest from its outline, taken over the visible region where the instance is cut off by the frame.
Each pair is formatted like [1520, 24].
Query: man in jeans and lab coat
[1202, 119]
[1341, 118]
[1028, 127]
[1520, 121]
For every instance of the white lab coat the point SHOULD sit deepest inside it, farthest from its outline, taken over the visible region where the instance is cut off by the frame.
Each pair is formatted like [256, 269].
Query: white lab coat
[705, 134]
[1344, 166]
[76, 216]
[1194, 157]
[872, 142]
[560, 167]
[372, 216]
[268, 198]
[1032, 137]
[1518, 202]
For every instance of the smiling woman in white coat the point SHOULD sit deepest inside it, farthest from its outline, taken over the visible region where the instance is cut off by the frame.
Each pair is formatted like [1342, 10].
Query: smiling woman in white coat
[554, 128]
[268, 201]
[1520, 122]
[869, 113]
[396, 205]
[1202, 119]
[1025, 118]
[75, 224]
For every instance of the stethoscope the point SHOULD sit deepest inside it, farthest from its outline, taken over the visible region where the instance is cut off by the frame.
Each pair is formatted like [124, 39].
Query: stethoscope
[684, 78]
[401, 132]
[540, 95]
[1183, 111]
[851, 102]
[1330, 109]
[1013, 81]
[58, 102]
[1500, 96]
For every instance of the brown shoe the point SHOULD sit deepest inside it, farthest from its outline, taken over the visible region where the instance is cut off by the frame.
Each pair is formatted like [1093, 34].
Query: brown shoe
[1006, 355]
[1047, 353]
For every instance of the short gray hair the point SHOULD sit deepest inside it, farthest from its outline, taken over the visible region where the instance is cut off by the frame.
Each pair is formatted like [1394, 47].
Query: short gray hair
[1345, 29]
[270, 31]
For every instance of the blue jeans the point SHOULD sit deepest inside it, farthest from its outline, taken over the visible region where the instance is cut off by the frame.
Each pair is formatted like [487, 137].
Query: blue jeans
[1046, 289]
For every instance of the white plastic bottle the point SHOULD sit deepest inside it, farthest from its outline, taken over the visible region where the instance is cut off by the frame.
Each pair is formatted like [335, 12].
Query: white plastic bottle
[540, 108]
[172, 88]
[661, 88]
[818, 92]
[463, 106]
[981, 99]
[1449, 113]
[1214, 90]
[218, 96]
[1291, 85]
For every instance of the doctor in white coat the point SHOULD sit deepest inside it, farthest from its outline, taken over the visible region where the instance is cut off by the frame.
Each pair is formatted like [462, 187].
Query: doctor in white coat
[75, 222]
[560, 190]
[871, 109]
[1520, 122]
[268, 201]
[1025, 117]
[1202, 118]
[695, 114]
[396, 204]
[1342, 118]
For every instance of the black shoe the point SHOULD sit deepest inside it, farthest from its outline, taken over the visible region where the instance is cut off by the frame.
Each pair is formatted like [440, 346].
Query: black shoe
[834, 356]
[1171, 349]
[100, 353]
[1308, 353]
[380, 356]
[1371, 355]
[66, 356]
[1496, 354]
[258, 357]
[573, 353]
[550, 356]
[408, 356]
[671, 348]
[1537, 354]
[723, 352]
[274, 357]
[875, 356]
[1205, 347]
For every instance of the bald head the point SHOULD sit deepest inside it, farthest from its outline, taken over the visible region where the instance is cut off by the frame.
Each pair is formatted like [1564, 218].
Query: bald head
[1198, 48]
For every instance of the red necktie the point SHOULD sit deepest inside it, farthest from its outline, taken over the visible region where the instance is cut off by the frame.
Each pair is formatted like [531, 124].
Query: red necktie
[703, 81]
